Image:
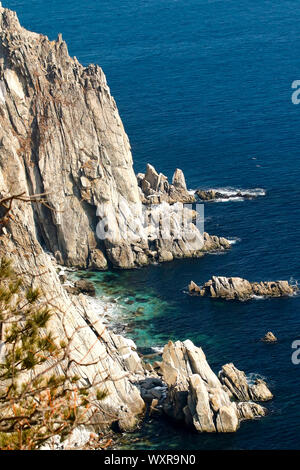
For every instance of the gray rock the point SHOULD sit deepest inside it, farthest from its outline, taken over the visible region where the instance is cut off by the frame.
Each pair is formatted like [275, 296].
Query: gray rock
[206, 195]
[259, 391]
[227, 419]
[97, 260]
[63, 278]
[178, 180]
[199, 406]
[85, 287]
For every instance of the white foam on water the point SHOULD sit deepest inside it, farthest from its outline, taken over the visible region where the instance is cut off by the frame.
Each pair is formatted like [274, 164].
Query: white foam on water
[216, 253]
[157, 349]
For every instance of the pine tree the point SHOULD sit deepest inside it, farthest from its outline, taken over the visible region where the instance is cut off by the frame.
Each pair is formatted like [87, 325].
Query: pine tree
[40, 396]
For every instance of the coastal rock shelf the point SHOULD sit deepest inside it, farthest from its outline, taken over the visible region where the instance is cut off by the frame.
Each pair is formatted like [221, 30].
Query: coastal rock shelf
[236, 288]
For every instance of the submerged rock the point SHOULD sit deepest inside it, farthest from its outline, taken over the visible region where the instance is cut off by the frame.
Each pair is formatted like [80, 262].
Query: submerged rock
[236, 288]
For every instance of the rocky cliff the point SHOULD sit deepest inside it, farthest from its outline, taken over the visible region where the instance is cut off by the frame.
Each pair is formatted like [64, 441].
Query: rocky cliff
[61, 134]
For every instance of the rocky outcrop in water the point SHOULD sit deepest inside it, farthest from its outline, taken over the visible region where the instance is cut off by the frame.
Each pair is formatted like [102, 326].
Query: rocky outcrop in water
[215, 194]
[269, 338]
[199, 398]
[236, 288]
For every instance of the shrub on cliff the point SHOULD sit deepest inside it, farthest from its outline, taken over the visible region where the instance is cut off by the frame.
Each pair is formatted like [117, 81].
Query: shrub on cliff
[39, 394]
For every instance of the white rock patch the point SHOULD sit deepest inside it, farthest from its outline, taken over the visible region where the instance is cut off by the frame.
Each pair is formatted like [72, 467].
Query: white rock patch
[14, 83]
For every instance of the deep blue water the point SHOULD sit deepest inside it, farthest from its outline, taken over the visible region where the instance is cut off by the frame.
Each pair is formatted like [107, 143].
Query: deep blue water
[205, 85]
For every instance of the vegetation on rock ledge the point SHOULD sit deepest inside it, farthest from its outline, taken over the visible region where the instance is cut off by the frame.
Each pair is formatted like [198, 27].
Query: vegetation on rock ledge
[39, 395]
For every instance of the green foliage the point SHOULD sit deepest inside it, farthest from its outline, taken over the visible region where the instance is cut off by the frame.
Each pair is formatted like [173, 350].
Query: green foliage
[100, 395]
[36, 401]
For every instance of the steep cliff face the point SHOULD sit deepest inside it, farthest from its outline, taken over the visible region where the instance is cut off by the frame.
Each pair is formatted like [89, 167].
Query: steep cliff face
[60, 123]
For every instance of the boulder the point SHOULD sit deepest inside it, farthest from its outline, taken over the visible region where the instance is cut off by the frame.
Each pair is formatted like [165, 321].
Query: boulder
[206, 195]
[193, 288]
[215, 194]
[259, 391]
[214, 243]
[156, 187]
[179, 180]
[236, 381]
[151, 177]
[198, 408]
[227, 419]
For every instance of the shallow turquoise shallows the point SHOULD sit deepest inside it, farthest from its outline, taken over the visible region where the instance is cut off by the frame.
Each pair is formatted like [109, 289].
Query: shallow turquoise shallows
[205, 85]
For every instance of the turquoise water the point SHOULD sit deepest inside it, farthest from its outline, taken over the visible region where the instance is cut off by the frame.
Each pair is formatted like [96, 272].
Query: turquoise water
[205, 85]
